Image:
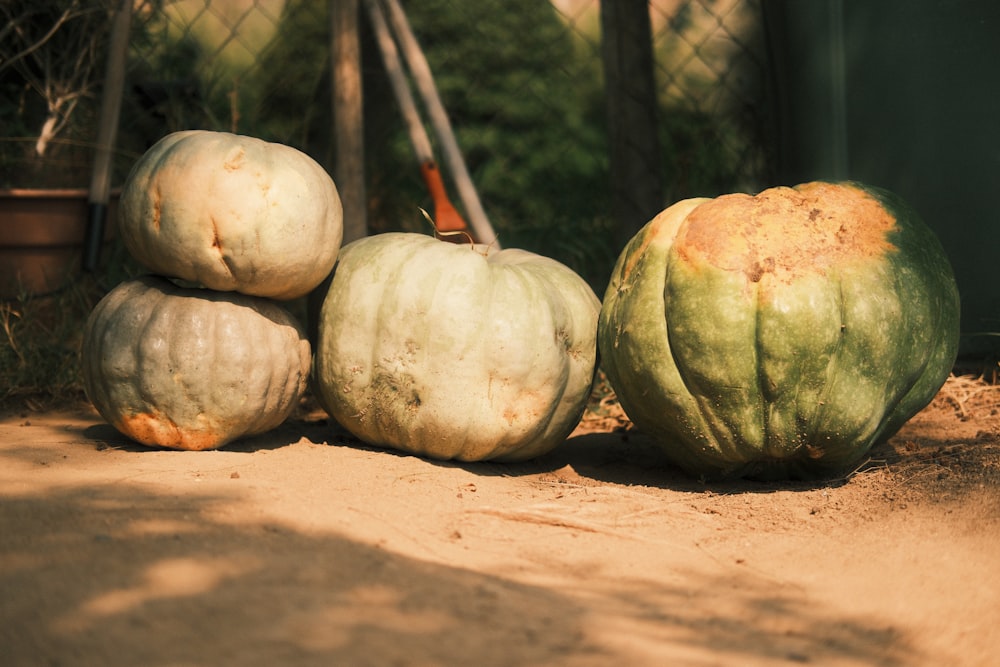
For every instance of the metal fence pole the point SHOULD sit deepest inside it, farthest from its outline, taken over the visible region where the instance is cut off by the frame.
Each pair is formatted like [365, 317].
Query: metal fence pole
[111, 104]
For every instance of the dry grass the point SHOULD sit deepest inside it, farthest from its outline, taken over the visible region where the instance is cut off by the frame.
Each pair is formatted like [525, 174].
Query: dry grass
[604, 413]
[969, 396]
[40, 346]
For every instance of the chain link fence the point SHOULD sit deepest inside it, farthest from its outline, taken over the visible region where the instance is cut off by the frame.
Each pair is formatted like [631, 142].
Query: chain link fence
[523, 85]
[711, 72]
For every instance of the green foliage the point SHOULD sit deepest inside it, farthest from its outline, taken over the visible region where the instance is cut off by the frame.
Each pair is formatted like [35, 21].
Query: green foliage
[289, 100]
[164, 95]
[697, 161]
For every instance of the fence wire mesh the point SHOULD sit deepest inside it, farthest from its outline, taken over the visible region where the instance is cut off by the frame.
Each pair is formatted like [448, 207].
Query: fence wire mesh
[522, 82]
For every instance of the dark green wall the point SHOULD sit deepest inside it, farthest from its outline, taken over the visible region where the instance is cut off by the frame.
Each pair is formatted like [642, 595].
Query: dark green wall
[904, 94]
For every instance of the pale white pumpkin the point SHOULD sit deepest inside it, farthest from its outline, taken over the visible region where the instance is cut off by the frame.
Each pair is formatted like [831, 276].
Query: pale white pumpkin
[194, 369]
[455, 352]
[232, 213]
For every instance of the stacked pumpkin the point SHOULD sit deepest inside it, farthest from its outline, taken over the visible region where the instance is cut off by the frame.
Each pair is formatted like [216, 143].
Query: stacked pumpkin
[202, 352]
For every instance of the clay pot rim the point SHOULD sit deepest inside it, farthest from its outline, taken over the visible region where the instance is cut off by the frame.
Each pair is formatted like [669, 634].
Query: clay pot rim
[50, 193]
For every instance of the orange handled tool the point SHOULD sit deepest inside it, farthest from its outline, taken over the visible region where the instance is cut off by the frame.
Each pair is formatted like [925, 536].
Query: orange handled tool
[446, 216]
[448, 222]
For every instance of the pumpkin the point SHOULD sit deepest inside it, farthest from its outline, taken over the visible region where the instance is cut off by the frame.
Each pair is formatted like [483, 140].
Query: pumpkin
[779, 335]
[455, 351]
[189, 368]
[232, 213]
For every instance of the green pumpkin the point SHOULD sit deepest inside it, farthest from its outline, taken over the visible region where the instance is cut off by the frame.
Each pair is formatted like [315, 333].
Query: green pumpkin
[232, 213]
[779, 335]
[192, 369]
[455, 351]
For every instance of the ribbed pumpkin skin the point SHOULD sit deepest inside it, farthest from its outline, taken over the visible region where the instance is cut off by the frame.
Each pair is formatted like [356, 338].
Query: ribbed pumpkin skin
[232, 213]
[189, 368]
[434, 349]
[782, 335]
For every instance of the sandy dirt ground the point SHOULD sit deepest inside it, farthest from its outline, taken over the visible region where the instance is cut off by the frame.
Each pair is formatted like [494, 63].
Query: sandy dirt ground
[302, 547]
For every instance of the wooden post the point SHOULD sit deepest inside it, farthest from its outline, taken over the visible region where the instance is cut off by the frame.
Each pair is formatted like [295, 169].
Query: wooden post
[348, 115]
[348, 136]
[636, 171]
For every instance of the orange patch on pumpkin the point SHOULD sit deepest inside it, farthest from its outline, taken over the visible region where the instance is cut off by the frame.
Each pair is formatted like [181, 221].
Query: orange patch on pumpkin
[235, 160]
[159, 431]
[786, 232]
[658, 226]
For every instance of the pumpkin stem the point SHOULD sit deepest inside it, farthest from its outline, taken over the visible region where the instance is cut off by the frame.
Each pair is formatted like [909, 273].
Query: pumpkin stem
[454, 236]
[448, 217]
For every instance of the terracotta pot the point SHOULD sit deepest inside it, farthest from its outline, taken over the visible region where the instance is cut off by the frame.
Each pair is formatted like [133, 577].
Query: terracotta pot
[41, 238]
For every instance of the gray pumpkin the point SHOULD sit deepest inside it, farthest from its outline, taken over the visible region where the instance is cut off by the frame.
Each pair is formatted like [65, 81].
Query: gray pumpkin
[454, 351]
[192, 369]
